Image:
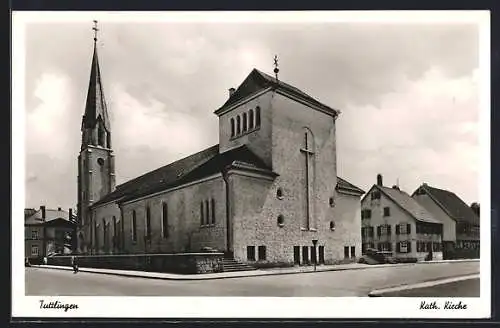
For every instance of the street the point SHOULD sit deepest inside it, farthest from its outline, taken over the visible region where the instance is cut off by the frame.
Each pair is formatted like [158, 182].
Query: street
[464, 288]
[51, 282]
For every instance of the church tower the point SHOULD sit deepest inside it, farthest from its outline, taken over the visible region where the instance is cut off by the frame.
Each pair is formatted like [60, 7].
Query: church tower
[96, 172]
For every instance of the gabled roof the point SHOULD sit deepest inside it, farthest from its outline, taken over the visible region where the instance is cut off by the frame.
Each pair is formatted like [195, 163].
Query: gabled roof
[202, 164]
[343, 185]
[50, 215]
[406, 203]
[95, 107]
[453, 206]
[257, 81]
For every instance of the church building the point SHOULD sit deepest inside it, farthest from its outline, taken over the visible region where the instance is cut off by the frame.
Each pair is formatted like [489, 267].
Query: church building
[261, 195]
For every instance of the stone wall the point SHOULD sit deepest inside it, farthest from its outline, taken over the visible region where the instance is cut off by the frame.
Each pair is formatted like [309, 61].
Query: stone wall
[186, 263]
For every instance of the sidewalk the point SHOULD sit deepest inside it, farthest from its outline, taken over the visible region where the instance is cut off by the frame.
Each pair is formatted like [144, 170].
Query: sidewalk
[237, 274]
[222, 275]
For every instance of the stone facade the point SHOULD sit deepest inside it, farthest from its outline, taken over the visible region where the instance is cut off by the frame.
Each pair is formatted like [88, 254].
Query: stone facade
[274, 210]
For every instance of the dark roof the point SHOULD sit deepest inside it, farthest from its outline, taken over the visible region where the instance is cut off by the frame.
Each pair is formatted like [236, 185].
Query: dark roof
[50, 215]
[408, 204]
[257, 81]
[95, 107]
[347, 186]
[202, 164]
[455, 207]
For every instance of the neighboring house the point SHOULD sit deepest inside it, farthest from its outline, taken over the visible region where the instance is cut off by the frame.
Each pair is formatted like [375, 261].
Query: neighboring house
[460, 223]
[393, 221]
[48, 232]
[261, 195]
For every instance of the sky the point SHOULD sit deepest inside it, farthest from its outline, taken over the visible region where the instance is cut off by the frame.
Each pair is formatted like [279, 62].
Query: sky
[408, 96]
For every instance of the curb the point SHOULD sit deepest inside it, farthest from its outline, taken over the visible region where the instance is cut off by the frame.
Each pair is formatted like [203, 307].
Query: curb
[423, 284]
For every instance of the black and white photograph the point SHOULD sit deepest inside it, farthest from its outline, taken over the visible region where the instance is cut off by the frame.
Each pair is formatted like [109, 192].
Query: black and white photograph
[217, 164]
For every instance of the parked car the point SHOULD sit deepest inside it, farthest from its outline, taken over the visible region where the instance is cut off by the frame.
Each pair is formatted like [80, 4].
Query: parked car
[374, 256]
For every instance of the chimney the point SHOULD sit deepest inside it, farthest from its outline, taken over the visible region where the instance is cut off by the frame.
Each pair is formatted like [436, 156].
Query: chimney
[379, 180]
[396, 187]
[231, 91]
[42, 208]
[59, 209]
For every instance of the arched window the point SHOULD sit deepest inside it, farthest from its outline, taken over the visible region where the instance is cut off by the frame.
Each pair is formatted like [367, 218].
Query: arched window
[100, 136]
[148, 223]
[213, 211]
[108, 140]
[250, 119]
[105, 234]
[245, 122]
[207, 212]
[164, 220]
[115, 234]
[257, 116]
[232, 127]
[238, 125]
[202, 217]
[134, 226]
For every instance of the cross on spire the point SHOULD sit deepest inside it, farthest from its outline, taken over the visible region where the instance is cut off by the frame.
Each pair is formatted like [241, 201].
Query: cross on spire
[95, 30]
[276, 69]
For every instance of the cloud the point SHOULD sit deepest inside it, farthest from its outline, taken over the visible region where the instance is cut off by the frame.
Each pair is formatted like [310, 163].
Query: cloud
[407, 94]
[424, 131]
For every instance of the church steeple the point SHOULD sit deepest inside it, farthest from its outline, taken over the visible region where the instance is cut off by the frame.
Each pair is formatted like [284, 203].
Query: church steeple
[96, 168]
[96, 117]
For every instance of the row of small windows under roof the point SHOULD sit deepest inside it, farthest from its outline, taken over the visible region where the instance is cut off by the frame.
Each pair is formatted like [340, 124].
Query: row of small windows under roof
[245, 122]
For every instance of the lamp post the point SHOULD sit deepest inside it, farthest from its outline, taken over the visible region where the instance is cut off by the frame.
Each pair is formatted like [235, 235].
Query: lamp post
[315, 241]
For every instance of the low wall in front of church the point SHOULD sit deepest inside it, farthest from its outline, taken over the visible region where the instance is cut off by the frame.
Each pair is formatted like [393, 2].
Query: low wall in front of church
[184, 263]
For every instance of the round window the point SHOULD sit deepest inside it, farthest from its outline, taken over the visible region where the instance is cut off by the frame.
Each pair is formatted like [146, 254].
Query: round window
[279, 193]
[100, 161]
[332, 225]
[281, 220]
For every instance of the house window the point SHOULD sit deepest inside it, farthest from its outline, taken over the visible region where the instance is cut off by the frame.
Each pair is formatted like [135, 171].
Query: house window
[245, 123]
[232, 126]
[402, 247]
[250, 119]
[353, 251]
[251, 253]
[207, 213]
[34, 250]
[387, 211]
[238, 125]
[437, 247]
[346, 252]
[403, 229]
[262, 253]
[385, 246]
[134, 226]
[257, 117]
[34, 234]
[375, 194]
[384, 230]
[366, 214]
[213, 210]
[164, 220]
[202, 216]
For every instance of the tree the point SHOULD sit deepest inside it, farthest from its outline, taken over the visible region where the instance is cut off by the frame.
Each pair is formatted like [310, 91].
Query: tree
[475, 207]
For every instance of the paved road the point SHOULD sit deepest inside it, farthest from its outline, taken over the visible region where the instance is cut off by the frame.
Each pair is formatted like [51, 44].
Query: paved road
[464, 288]
[40, 281]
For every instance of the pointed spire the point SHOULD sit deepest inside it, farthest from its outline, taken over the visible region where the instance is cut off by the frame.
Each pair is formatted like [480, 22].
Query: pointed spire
[95, 107]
